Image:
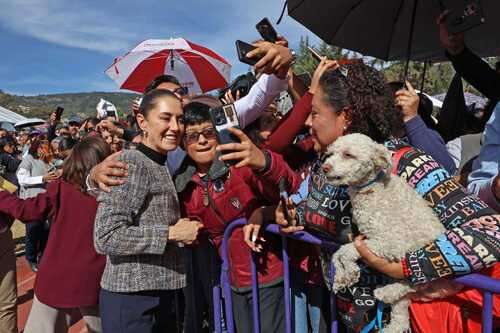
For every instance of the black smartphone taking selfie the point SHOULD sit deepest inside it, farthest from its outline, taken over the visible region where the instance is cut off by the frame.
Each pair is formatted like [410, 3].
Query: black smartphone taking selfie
[59, 112]
[242, 49]
[266, 30]
[464, 15]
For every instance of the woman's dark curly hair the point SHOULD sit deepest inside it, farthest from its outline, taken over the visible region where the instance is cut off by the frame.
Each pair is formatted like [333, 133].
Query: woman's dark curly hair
[363, 89]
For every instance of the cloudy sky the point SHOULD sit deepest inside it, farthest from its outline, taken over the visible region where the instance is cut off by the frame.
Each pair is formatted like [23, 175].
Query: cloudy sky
[54, 46]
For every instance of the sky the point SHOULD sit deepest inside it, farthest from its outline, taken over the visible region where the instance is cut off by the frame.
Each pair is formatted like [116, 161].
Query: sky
[61, 46]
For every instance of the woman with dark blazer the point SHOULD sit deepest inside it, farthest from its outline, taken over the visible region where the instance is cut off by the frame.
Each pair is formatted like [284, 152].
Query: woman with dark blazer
[70, 270]
[138, 226]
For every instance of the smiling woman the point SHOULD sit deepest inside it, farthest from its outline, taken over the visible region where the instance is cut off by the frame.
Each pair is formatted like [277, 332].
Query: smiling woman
[138, 227]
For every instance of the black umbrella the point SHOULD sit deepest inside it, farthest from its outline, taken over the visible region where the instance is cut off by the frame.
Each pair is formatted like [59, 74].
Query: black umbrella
[384, 28]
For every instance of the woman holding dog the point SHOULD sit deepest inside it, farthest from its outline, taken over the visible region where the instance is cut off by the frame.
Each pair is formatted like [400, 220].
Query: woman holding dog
[355, 99]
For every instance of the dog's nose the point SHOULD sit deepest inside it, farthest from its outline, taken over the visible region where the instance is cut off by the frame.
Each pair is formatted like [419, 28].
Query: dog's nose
[327, 168]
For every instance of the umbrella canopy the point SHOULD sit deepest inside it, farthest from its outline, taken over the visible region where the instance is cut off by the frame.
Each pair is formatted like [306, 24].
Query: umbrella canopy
[382, 28]
[196, 67]
[9, 127]
[29, 122]
[10, 116]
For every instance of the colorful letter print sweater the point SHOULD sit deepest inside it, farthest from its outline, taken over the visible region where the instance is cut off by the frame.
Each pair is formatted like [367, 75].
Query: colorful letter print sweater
[470, 243]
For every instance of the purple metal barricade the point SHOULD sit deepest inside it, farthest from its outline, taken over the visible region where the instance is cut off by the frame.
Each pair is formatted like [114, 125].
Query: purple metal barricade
[487, 285]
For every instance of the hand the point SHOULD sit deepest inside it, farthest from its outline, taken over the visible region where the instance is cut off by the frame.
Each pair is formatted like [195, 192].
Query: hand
[290, 225]
[104, 173]
[246, 152]
[252, 228]
[282, 41]
[275, 59]
[53, 119]
[323, 66]
[454, 44]
[229, 98]
[437, 289]
[135, 106]
[51, 176]
[110, 127]
[408, 100]
[184, 231]
[392, 269]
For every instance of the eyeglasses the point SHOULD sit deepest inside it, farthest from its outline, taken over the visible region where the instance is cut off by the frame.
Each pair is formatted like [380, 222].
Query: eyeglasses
[181, 91]
[209, 133]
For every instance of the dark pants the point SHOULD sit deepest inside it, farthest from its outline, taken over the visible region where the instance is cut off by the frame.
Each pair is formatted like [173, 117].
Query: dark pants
[36, 237]
[272, 310]
[202, 272]
[141, 312]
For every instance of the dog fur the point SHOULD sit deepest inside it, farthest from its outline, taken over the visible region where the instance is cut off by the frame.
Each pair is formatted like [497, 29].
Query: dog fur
[391, 214]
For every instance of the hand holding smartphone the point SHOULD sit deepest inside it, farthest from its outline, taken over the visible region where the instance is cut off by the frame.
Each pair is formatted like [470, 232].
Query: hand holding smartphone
[314, 54]
[223, 118]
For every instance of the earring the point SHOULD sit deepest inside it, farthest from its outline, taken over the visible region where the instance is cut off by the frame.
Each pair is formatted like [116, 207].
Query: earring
[145, 134]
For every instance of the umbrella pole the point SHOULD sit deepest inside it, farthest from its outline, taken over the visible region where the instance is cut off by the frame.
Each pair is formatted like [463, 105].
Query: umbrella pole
[423, 77]
[410, 39]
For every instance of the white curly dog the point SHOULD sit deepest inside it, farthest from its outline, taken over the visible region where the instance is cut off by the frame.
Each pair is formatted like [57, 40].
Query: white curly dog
[391, 214]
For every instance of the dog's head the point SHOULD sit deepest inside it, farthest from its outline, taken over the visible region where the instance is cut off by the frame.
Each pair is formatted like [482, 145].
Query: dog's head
[355, 159]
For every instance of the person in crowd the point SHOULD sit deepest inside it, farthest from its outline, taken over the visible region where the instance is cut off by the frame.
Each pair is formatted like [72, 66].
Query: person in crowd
[74, 124]
[66, 146]
[418, 124]
[22, 140]
[232, 193]
[140, 237]
[484, 180]
[9, 159]
[70, 248]
[33, 175]
[357, 100]
[3, 133]
[470, 67]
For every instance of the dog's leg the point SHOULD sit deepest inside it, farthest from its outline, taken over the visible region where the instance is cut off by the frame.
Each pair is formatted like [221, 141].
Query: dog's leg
[395, 295]
[346, 269]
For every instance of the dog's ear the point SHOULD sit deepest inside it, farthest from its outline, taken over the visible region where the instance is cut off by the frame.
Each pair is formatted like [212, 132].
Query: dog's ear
[382, 158]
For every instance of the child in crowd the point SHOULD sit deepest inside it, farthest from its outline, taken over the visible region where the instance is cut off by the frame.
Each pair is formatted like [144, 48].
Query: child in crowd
[217, 195]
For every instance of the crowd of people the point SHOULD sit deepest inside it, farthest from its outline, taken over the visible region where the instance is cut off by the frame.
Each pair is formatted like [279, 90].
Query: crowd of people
[125, 217]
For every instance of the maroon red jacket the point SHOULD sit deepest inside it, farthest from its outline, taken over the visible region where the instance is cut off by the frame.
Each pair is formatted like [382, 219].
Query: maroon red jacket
[236, 193]
[70, 270]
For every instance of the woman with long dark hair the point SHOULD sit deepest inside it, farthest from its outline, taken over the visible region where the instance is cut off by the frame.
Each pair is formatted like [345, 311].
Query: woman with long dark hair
[70, 270]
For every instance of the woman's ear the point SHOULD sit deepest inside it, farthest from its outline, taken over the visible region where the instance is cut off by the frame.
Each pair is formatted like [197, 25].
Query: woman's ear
[347, 115]
[142, 122]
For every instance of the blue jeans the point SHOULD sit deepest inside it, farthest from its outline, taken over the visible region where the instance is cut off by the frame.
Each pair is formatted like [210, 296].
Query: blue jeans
[307, 302]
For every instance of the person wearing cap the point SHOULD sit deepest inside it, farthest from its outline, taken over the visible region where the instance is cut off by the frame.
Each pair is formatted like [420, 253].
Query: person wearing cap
[74, 124]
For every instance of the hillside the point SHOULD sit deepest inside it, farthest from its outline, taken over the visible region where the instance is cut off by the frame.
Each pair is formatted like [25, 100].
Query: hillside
[82, 104]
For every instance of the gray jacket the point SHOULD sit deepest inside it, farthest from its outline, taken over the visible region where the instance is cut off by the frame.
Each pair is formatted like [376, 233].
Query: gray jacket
[131, 228]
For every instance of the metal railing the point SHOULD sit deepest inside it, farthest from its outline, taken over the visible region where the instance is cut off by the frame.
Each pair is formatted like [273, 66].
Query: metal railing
[487, 285]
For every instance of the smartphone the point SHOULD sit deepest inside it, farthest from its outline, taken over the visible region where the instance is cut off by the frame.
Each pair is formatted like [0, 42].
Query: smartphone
[284, 197]
[223, 118]
[461, 19]
[314, 54]
[59, 112]
[266, 30]
[110, 114]
[242, 49]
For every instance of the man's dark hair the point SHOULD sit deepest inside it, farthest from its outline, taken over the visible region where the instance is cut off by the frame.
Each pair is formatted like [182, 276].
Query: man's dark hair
[6, 141]
[159, 80]
[364, 91]
[196, 113]
[149, 100]
[93, 120]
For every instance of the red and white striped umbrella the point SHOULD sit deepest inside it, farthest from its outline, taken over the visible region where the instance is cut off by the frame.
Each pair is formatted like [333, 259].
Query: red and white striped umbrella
[196, 67]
